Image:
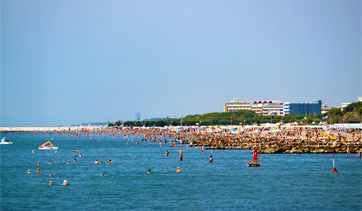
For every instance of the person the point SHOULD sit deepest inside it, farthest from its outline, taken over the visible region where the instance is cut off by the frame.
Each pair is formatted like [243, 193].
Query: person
[102, 175]
[68, 162]
[80, 155]
[50, 163]
[96, 162]
[51, 182]
[50, 175]
[75, 160]
[38, 164]
[73, 151]
[65, 182]
[178, 170]
[107, 162]
[149, 171]
[166, 153]
[78, 150]
[29, 172]
[37, 171]
[181, 156]
[33, 151]
[255, 155]
[211, 161]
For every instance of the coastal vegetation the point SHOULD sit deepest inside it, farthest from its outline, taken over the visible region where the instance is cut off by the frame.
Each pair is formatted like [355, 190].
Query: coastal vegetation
[222, 118]
[350, 114]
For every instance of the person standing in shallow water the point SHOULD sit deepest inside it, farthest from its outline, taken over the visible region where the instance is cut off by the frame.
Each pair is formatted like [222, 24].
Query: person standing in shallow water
[166, 153]
[211, 160]
[181, 155]
[255, 155]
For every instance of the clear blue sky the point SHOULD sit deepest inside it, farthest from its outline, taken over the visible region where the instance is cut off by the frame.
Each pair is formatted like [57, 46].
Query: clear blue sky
[68, 62]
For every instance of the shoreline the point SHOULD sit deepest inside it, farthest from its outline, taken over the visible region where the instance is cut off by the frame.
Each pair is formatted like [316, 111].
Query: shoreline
[264, 139]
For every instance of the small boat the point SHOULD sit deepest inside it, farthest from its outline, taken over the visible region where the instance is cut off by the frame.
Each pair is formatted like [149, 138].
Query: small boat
[47, 146]
[252, 164]
[5, 141]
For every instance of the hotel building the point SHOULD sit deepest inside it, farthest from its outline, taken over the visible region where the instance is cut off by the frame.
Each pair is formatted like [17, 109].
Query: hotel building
[303, 108]
[237, 105]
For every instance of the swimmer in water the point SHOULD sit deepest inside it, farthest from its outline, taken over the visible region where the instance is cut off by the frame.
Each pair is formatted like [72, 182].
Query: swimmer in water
[102, 175]
[149, 171]
[65, 182]
[96, 162]
[51, 182]
[181, 155]
[178, 170]
[166, 153]
[78, 150]
[68, 162]
[73, 151]
[80, 155]
[50, 163]
[50, 175]
[38, 164]
[33, 151]
[29, 172]
[75, 160]
[37, 171]
[211, 160]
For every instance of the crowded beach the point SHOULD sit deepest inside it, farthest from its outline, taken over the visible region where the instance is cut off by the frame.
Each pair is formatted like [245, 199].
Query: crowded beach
[267, 138]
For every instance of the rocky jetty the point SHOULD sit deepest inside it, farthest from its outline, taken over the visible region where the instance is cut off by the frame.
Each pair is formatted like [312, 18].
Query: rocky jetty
[275, 145]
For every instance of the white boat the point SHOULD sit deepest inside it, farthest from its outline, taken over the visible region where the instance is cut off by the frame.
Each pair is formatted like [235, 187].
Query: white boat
[4, 141]
[50, 146]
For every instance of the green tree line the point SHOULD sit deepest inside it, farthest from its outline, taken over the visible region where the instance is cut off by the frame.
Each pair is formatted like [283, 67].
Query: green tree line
[350, 114]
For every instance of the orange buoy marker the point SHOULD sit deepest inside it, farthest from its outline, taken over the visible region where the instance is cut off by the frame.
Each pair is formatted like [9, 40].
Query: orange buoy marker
[334, 168]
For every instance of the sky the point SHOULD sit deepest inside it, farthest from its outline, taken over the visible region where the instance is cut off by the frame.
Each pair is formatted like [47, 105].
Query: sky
[70, 62]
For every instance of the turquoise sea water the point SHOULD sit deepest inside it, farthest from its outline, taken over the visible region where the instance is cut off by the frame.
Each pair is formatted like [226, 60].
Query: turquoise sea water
[284, 182]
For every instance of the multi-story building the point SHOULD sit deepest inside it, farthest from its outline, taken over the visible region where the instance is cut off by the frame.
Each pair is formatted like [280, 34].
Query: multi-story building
[138, 116]
[303, 108]
[325, 109]
[257, 108]
[236, 105]
[273, 109]
[343, 105]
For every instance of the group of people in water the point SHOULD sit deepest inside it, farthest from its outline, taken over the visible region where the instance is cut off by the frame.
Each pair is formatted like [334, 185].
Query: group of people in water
[215, 138]
[65, 182]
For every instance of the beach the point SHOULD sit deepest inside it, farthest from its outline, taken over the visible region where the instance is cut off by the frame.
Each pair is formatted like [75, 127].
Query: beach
[264, 139]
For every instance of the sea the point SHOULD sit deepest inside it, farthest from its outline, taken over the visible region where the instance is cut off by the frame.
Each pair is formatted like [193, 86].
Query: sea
[283, 182]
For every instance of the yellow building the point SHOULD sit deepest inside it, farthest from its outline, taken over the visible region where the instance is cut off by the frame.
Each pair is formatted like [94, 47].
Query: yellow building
[237, 106]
